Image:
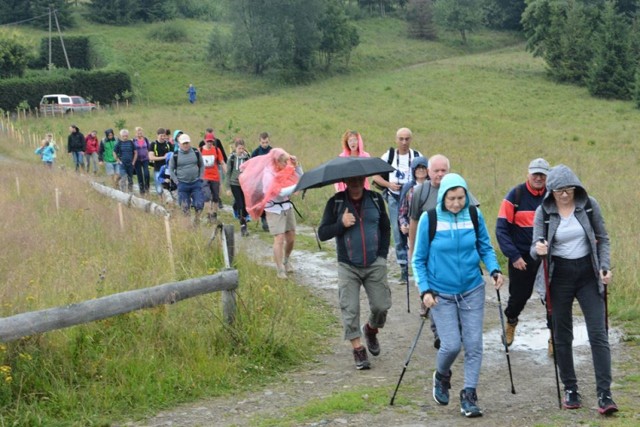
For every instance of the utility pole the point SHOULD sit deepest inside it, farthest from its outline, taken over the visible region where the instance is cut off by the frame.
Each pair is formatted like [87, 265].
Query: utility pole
[64, 50]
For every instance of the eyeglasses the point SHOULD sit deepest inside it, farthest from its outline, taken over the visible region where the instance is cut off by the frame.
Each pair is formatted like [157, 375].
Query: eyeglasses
[568, 190]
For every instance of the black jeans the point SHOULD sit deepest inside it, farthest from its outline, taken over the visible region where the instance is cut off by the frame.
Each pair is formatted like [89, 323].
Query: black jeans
[574, 279]
[520, 286]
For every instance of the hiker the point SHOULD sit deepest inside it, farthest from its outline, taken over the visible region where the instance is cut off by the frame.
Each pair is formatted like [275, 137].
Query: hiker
[212, 159]
[186, 169]
[192, 94]
[267, 182]
[352, 146]
[514, 232]
[419, 175]
[125, 154]
[217, 144]
[46, 152]
[400, 158]
[356, 217]
[158, 156]
[456, 299]
[75, 146]
[92, 146]
[576, 244]
[232, 183]
[49, 138]
[261, 150]
[142, 161]
[106, 156]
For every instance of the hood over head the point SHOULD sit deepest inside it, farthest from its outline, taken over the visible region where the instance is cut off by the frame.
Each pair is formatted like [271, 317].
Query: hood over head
[450, 181]
[109, 131]
[176, 133]
[561, 176]
[418, 161]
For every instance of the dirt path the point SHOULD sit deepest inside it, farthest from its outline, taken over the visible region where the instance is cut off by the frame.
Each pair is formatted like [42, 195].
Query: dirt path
[534, 404]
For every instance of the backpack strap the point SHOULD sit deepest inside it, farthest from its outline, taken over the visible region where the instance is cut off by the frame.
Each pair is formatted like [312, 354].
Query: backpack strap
[517, 197]
[420, 199]
[340, 198]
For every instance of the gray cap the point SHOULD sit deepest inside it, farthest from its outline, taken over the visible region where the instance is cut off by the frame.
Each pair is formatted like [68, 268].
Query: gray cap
[539, 165]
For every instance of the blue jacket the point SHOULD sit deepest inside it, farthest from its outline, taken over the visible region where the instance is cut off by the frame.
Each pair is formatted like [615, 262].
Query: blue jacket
[47, 153]
[362, 243]
[449, 264]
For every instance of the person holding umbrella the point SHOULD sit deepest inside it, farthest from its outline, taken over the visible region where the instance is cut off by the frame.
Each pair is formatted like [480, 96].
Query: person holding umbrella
[569, 230]
[357, 218]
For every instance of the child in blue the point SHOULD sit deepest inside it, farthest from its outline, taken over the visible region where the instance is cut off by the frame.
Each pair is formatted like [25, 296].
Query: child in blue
[47, 153]
[452, 286]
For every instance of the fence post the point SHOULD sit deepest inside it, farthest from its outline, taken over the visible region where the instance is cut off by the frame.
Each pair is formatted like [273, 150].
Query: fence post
[229, 305]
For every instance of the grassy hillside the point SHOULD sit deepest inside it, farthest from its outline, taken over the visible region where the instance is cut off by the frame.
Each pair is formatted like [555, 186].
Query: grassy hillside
[490, 112]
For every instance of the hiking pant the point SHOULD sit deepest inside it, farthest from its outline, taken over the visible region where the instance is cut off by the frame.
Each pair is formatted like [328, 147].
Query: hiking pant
[78, 159]
[399, 239]
[158, 182]
[126, 169]
[374, 280]
[459, 319]
[190, 195]
[574, 279]
[91, 158]
[239, 207]
[142, 172]
[520, 286]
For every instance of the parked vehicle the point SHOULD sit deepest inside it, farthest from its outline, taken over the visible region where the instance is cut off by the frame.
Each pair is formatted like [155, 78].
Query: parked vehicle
[63, 104]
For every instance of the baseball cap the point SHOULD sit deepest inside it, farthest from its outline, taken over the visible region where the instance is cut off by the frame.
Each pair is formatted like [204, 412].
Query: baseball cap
[209, 137]
[539, 165]
[184, 138]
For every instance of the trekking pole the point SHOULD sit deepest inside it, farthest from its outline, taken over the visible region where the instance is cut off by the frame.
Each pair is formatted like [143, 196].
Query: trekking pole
[606, 305]
[504, 341]
[408, 304]
[406, 363]
[545, 265]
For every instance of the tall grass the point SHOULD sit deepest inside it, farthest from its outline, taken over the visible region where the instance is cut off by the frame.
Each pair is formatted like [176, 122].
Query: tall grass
[139, 362]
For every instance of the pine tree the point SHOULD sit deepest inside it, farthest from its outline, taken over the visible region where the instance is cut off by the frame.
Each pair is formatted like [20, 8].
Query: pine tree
[420, 19]
[612, 72]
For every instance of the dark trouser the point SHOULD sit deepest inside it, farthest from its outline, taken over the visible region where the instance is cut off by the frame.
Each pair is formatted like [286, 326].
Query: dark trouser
[190, 195]
[574, 278]
[238, 203]
[142, 172]
[520, 287]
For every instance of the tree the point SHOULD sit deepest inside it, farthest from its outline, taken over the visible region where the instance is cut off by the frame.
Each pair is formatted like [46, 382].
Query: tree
[14, 11]
[124, 12]
[153, 10]
[420, 19]
[504, 14]
[40, 9]
[612, 71]
[462, 16]
[338, 35]
[13, 57]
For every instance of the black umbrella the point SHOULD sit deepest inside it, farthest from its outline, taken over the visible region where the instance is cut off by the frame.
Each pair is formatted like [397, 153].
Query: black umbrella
[341, 168]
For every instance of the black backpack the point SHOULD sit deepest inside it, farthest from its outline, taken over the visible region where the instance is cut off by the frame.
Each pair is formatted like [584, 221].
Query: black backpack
[433, 221]
[392, 155]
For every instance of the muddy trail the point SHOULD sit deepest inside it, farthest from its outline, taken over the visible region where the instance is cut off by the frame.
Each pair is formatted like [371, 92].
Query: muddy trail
[535, 401]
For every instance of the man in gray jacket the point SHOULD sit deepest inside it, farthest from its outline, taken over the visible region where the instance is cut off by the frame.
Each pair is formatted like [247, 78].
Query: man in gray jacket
[357, 218]
[186, 169]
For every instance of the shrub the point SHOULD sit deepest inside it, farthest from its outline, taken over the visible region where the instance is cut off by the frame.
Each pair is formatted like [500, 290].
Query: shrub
[169, 33]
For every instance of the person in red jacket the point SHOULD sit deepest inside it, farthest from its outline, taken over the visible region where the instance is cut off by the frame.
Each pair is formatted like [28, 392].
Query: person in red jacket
[92, 146]
[212, 158]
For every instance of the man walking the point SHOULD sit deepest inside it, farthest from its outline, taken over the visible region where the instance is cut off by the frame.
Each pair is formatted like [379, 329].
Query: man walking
[514, 231]
[186, 169]
[400, 158]
[126, 155]
[357, 219]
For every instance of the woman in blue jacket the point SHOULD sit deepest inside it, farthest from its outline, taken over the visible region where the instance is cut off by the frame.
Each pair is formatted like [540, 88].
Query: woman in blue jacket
[452, 286]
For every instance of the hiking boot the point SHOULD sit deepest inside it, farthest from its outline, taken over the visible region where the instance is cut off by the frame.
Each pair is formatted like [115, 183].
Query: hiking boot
[372, 341]
[572, 400]
[243, 230]
[220, 205]
[511, 330]
[281, 273]
[404, 273]
[360, 356]
[441, 386]
[606, 405]
[265, 225]
[469, 403]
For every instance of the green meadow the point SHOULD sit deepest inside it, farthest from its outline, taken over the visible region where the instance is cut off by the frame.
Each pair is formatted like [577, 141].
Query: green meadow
[489, 107]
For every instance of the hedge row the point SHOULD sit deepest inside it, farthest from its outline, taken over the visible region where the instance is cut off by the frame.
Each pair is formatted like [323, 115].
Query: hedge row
[78, 48]
[98, 86]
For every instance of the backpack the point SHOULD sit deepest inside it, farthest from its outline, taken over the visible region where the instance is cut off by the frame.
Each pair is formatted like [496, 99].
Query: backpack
[341, 197]
[177, 156]
[422, 201]
[392, 154]
[433, 221]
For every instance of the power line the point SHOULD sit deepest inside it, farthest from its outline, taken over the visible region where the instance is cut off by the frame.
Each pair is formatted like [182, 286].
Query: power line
[26, 20]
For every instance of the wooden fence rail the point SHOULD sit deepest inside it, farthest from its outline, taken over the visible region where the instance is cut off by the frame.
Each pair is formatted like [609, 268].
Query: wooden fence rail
[25, 324]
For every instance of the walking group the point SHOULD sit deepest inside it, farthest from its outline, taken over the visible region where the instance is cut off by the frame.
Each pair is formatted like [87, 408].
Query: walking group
[549, 228]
